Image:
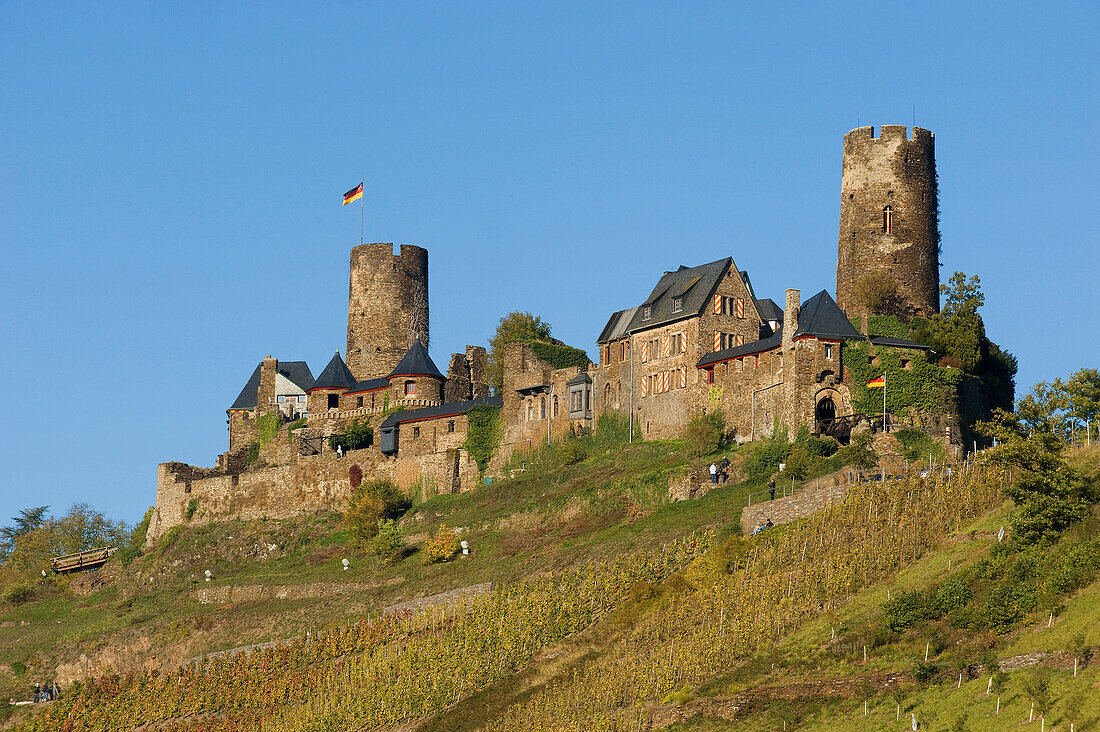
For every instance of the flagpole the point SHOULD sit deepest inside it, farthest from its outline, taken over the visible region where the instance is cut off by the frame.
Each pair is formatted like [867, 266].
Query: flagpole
[884, 403]
[361, 205]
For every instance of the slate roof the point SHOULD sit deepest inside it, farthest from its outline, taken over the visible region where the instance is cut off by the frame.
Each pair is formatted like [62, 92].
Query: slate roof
[769, 310]
[370, 385]
[296, 371]
[581, 378]
[444, 410]
[892, 342]
[335, 376]
[416, 362]
[617, 325]
[822, 318]
[775, 340]
[693, 284]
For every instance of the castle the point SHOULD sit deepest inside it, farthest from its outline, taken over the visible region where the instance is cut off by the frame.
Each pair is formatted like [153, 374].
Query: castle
[700, 340]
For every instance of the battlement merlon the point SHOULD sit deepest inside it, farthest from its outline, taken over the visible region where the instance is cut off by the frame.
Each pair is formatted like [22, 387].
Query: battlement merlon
[889, 132]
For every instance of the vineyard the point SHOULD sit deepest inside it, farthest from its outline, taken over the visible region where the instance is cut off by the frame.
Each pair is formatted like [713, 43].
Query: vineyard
[704, 606]
[374, 672]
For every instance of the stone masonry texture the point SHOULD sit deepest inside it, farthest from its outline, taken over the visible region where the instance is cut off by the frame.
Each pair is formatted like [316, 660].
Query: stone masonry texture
[896, 172]
[387, 307]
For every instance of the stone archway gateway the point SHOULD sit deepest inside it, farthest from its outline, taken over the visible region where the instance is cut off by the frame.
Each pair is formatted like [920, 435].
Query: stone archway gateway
[826, 410]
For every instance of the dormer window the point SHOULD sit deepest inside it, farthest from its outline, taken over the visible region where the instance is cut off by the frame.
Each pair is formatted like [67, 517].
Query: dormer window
[677, 304]
[647, 312]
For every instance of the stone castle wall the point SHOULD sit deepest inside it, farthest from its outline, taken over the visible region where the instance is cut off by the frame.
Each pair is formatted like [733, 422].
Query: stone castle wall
[898, 172]
[387, 307]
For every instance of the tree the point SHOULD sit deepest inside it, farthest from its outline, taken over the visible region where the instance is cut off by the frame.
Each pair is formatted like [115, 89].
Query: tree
[1049, 495]
[27, 521]
[371, 503]
[958, 331]
[1082, 395]
[1059, 406]
[80, 529]
[513, 327]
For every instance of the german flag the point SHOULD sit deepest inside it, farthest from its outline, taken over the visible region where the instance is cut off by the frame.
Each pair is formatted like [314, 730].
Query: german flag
[879, 383]
[353, 195]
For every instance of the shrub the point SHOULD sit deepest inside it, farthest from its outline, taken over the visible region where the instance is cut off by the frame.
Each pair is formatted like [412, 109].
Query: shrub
[300, 422]
[925, 671]
[572, 451]
[373, 501]
[355, 476]
[858, 453]
[135, 547]
[357, 435]
[877, 292]
[19, 593]
[253, 453]
[388, 542]
[703, 434]
[766, 455]
[442, 546]
[905, 609]
[192, 506]
[917, 445]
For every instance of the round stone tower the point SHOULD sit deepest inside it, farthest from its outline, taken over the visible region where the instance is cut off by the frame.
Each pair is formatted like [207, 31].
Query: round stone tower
[888, 223]
[387, 307]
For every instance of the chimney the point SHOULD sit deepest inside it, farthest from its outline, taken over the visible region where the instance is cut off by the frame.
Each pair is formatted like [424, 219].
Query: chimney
[863, 324]
[790, 318]
[265, 395]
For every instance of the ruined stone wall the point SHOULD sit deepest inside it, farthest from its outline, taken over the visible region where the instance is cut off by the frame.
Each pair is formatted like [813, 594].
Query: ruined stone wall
[892, 171]
[307, 485]
[467, 376]
[242, 430]
[387, 307]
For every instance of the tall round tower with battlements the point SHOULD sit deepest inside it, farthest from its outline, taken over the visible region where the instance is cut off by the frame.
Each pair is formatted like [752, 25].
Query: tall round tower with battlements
[387, 307]
[888, 224]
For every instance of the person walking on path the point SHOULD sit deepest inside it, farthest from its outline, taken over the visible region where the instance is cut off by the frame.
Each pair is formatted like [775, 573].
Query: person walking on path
[771, 488]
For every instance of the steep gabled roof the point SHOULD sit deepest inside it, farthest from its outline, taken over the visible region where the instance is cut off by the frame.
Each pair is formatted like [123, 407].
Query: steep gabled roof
[617, 325]
[296, 371]
[693, 284]
[416, 362]
[822, 318]
[769, 310]
[335, 376]
[443, 410]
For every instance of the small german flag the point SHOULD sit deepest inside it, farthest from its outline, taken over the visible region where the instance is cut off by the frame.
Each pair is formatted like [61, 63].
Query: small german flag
[353, 195]
[879, 383]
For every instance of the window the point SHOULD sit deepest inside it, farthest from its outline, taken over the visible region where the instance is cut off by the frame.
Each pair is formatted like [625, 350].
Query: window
[555, 406]
[542, 408]
[647, 312]
[358, 401]
[280, 398]
[905, 364]
[607, 395]
[587, 400]
[416, 432]
[888, 220]
[333, 401]
[710, 376]
[410, 388]
[530, 410]
[451, 425]
[677, 304]
[828, 351]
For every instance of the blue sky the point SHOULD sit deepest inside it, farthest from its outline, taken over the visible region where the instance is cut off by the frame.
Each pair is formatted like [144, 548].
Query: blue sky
[171, 175]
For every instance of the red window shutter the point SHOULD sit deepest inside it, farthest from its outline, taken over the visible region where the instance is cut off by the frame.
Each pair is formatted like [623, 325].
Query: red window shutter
[740, 340]
[717, 304]
[740, 307]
